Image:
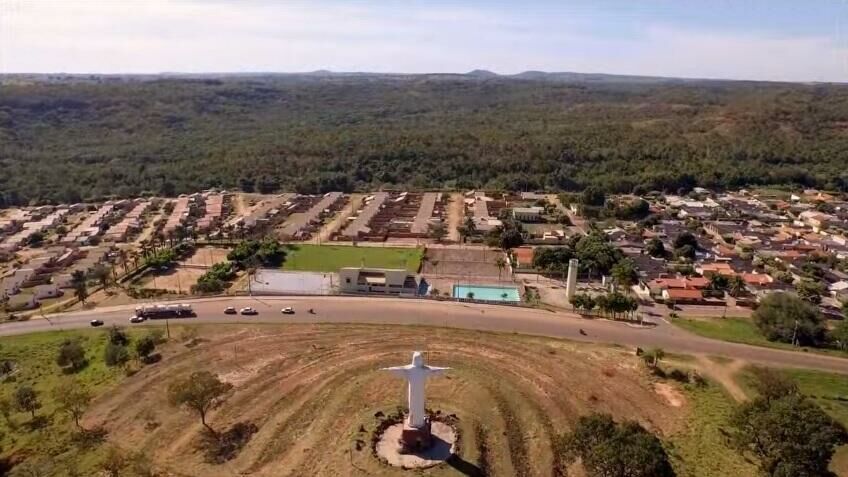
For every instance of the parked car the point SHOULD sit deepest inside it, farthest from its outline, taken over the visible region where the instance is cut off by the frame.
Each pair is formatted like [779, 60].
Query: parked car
[96, 322]
[287, 311]
[248, 311]
[230, 310]
[136, 319]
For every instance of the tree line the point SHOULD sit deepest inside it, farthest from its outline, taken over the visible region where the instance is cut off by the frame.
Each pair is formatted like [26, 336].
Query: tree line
[73, 141]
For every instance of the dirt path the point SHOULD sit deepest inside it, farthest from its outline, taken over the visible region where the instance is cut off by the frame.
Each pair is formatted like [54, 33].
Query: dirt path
[339, 220]
[456, 212]
[576, 220]
[724, 374]
[149, 226]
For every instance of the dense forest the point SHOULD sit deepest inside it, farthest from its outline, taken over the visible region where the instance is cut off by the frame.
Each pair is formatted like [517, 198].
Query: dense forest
[90, 138]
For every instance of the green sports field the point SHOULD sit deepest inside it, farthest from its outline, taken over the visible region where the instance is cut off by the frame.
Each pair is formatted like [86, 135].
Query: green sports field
[329, 258]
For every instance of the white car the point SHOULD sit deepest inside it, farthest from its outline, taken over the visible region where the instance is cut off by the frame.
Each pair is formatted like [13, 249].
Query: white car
[248, 311]
[136, 319]
[287, 311]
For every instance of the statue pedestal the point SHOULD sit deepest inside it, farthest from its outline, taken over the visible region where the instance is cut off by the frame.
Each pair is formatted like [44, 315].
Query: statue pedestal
[415, 439]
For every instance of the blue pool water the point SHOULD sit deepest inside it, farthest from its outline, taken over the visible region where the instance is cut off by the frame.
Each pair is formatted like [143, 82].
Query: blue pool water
[483, 292]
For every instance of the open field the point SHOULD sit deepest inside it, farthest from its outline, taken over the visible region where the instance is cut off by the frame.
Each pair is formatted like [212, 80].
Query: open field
[207, 256]
[738, 330]
[329, 258]
[466, 262]
[176, 279]
[33, 357]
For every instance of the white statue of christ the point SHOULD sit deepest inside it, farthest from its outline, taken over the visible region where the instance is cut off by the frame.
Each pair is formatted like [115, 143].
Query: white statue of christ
[416, 374]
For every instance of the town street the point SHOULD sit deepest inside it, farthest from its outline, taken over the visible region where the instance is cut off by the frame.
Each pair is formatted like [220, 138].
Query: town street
[372, 310]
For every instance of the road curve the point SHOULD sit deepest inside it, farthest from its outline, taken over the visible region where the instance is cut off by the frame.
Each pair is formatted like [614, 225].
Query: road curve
[371, 310]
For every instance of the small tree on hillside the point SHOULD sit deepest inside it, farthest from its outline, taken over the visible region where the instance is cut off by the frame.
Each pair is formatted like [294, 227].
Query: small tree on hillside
[71, 355]
[200, 392]
[608, 449]
[144, 347]
[26, 400]
[785, 317]
[789, 435]
[118, 336]
[115, 354]
[72, 398]
[653, 357]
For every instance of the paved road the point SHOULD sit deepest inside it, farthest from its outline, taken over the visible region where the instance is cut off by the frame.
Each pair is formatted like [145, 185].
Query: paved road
[460, 315]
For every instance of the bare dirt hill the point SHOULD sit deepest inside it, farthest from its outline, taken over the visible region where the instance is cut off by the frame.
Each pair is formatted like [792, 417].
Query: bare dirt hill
[309, 388]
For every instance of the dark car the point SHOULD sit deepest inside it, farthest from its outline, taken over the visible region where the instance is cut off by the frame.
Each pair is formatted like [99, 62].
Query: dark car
[96, 323]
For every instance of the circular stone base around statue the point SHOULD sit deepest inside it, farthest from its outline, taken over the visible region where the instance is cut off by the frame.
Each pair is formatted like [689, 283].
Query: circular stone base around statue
[444, 440]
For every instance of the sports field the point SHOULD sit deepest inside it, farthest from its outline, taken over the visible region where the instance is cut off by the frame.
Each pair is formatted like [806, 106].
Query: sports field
[329, 258]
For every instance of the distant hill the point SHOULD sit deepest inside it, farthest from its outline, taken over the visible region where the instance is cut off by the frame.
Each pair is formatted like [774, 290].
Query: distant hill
[67, 138]
[482, 74]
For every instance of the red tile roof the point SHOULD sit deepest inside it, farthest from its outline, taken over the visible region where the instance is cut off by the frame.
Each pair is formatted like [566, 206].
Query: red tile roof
[688, 294]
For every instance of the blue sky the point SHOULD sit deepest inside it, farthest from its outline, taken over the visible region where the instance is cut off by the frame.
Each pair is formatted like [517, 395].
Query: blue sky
[801, 40]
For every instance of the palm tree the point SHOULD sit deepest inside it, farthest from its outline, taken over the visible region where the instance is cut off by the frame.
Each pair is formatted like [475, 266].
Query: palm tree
[251, 264]
[501, 264]
[122, 256]
[78, 281]
[737, 286]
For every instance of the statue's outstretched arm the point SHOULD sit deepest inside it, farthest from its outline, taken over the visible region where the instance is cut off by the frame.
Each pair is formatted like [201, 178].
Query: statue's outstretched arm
[399, 371]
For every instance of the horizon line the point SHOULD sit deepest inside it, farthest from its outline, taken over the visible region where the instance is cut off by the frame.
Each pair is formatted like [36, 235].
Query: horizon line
[466, 73]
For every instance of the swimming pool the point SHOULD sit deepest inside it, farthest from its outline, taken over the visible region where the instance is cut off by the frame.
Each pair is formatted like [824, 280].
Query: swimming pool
[485, 292]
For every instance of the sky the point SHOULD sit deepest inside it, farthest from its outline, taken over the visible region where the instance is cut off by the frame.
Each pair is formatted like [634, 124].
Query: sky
[782, 40]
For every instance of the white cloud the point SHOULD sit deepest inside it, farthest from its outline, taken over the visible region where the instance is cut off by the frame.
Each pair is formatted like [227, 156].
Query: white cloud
[198, 36]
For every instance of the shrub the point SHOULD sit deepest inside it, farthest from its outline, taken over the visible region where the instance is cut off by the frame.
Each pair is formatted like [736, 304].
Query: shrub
[220, 449]
[116, 354]
[610, 449]
[71, 355]
[789, 435]
[145, 347]
[784, 317]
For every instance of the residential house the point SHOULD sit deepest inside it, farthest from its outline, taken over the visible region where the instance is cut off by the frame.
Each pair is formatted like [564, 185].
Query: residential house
[22, 301]
[49, 290]
[12, 283]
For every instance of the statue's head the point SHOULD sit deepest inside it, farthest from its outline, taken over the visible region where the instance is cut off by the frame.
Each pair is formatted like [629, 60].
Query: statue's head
[417, 359]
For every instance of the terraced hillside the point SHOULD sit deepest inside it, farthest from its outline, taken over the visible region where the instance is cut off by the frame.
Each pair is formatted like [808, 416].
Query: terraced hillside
[310, 388]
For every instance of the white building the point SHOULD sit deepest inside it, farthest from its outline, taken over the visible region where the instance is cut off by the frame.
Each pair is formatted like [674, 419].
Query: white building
[378, 280]
[50, 290]
[528, 214]
[11, 285]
